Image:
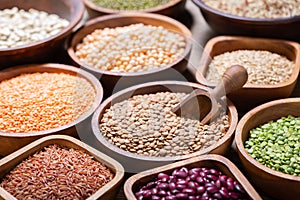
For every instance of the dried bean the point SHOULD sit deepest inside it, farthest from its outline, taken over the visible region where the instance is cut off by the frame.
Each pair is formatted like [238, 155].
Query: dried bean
[129, 4]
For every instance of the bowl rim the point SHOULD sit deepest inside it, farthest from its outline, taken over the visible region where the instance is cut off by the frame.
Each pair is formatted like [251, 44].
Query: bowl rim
[61, 34]
[240, 144]
[186, 33]
[248, 20]
[158, 8]
[52, 139]
[52, 66]
[238, 175]
[96, 131]
[200, 77]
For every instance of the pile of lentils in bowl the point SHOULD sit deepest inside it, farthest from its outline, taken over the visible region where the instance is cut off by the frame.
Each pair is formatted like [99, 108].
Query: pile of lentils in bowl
[276, 144]
[41, 101]
[263, 67]
[268, 9]
[133, 48]
[145, 125]
[57, 172]
[129, 4]
[19, 27]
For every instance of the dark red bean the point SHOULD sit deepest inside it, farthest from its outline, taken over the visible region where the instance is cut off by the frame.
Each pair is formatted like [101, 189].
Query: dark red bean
[175, 172]
[203, 174]
[192, 198]
[209, 185]
[195, 170]
[212, 177]
[169, 193]
[188, 191]
[162, 193]
[162, 176]
[172, 186]
[200, 189]
[154, 191]
[205, 169]
[200, 180]
[234, 195]
[150, 185]
[163, 186]
[224, 193]
[181, 174]
[182, 182]
[217, 195]
[181, 196]
[140, 197]
[172, 179]
[230, 185]
[175, 191]
[184, 169]
[180, 187]
[139, 193]
[188, 178]
[218, 184]
[193, 177]
[154, 197]
[205, 194]
[229, 179]
[212, 189]
[239, 188]
[214, 172]
[147, 193]
[192, 185]
[223, 179]
[171, 197]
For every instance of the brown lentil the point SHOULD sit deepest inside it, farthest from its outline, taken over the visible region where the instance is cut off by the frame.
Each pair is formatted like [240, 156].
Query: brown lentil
[132, 48]
[57, 173]
[19, 27]
[263, 67]
[257, 8]
[145, 125]
[41, 101]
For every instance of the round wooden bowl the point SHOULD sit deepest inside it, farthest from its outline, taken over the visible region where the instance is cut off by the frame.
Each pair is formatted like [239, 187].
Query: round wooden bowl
[251, 95]
[108, 78]
[136, 163]
[134, 183]
[275, 184]
[172, 8]
[13, 141]
[108, 191]
[45, 50]
[224, 23]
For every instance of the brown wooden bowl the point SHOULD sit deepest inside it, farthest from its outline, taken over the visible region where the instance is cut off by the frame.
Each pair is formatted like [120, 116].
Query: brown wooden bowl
[224, 23]
[108, 191]
[251, 95]
[275, 184]
[12, 141]
[45, 50]
[109, 79]
[218, 162]
[172, 8]
[136, 163]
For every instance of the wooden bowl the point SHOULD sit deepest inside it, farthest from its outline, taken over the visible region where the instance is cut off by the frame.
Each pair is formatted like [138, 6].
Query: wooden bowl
[13, 141]
[45, 50]
[275, 184]
[109, 79]
[251, 94]
[135, 163]
[172, 8]
[218, 162]
[108, 191]
[224, 23]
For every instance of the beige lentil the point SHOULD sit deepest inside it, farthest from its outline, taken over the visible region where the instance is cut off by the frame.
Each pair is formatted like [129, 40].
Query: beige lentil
[57, 173]
[132, 48]
[145, 125]
[41, 101]
[263, 67]
[257, 8]
[19, 27]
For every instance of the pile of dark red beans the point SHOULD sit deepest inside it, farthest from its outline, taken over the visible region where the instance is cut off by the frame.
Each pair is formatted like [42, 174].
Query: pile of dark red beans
[192, 184]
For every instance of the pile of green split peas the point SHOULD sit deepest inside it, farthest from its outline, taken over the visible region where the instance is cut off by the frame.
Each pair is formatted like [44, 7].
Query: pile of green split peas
[276, 145]
[129, 4]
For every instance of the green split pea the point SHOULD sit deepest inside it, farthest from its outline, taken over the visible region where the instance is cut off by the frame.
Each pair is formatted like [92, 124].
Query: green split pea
[129, 4]
[276, 145]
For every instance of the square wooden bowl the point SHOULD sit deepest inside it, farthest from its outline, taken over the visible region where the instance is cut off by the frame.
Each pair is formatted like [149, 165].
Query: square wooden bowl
[108, 191]
[218, 162]
[251, 95]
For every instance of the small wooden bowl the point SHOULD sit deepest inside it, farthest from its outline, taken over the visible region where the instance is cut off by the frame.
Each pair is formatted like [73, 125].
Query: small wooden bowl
[275, 184]
[109, 79]
[224, 23]
[13, 141]
[45, 50]
[108, 191]
[136, 163]
[251, 95]
[218, 162]
[172, 8]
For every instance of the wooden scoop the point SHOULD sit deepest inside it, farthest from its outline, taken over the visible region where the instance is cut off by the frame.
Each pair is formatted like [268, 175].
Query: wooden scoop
[202, 105]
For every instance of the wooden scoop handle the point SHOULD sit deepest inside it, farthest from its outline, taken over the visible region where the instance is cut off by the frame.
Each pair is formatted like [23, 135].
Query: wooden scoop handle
[234, 78]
